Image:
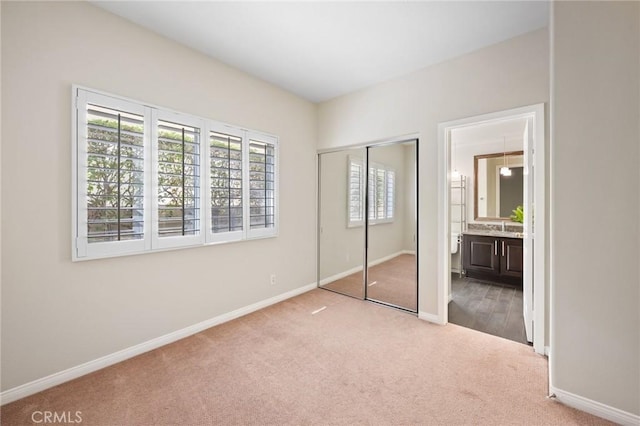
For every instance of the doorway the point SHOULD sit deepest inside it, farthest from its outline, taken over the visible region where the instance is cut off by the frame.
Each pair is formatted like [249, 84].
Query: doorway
[489, 243]
[367, 223]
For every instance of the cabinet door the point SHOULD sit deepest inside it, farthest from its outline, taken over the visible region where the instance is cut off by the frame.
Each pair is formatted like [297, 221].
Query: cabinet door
[481, 254]
[511, 257]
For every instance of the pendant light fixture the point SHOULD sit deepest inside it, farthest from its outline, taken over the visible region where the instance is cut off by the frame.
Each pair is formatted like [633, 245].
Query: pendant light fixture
[504, 170]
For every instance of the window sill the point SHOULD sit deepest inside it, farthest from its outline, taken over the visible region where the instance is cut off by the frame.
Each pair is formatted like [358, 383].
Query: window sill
[161, 250]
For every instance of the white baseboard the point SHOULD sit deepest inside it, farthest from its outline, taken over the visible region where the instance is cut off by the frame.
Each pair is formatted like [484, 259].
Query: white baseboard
[340, 275]
[547, 350]
[60, 377]
[348, 272]
[596, 408]
[388, 257]
[430, 317]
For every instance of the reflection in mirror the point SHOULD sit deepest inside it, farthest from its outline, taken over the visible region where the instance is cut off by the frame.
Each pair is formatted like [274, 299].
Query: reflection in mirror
[496, 195]
[391, 255]
[341, 222]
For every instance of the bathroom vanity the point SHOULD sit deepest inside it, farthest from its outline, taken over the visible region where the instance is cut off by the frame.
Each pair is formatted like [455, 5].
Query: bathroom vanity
[493, 255]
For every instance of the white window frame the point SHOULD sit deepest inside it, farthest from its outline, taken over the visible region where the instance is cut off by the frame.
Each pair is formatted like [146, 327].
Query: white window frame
[151, 242]
[79, 181]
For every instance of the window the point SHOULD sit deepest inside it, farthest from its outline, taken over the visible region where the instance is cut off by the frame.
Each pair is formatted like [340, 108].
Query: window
[355, 192]
[114, 175]
[176, 211]
[381, 191]
[262, 200]
[149, 179]
[226, 187]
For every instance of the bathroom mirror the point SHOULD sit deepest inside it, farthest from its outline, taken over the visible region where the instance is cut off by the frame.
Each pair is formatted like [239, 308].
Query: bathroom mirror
[495, 195]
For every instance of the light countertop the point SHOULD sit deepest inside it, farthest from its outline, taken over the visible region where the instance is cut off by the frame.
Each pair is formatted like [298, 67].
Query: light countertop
[494, 233]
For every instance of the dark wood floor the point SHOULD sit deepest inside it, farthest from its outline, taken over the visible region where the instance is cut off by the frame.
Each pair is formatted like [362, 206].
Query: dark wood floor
[492, 308]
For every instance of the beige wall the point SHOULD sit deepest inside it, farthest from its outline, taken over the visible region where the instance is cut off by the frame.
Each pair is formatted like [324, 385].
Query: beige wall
[0, 180]
[595, 202]
[507, 75]
[57, 314]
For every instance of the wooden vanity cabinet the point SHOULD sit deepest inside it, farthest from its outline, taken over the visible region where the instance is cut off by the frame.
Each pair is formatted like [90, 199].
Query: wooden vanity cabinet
[496, 259]
[512, 260]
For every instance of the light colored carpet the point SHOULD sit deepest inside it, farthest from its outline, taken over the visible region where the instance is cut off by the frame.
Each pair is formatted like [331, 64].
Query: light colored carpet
[352, 363]
[393, 281]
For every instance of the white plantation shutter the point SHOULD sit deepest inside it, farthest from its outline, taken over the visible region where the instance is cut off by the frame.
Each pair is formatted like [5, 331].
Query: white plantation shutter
[381, 193]
[390, 179]
[262, 185]
[226, 185]
[178, 179]
[371, 185]
[177, 159]
[110, 155]
[115, 175]
[355, 191]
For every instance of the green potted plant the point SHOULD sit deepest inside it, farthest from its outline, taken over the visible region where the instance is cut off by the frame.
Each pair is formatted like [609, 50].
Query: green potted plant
[518, 214]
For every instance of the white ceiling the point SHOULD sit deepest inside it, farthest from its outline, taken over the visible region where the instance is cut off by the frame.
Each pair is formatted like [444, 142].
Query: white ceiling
[321, 50]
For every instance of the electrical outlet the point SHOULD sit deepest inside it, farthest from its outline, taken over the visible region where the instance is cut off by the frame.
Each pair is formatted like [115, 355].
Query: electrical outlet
[272, 279]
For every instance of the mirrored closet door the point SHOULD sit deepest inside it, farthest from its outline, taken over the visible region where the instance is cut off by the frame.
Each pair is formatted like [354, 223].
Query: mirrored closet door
[391, 225]
[341, 222]
[367, 216]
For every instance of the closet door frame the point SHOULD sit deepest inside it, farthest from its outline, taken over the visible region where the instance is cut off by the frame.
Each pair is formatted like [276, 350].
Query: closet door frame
[374, 144]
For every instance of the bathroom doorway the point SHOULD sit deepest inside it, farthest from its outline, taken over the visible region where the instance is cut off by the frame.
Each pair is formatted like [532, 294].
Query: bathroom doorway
[491, 274]
[487, 186]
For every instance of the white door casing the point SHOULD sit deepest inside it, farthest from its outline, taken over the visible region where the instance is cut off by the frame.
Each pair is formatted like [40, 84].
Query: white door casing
[529, 190]
[536, 269]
